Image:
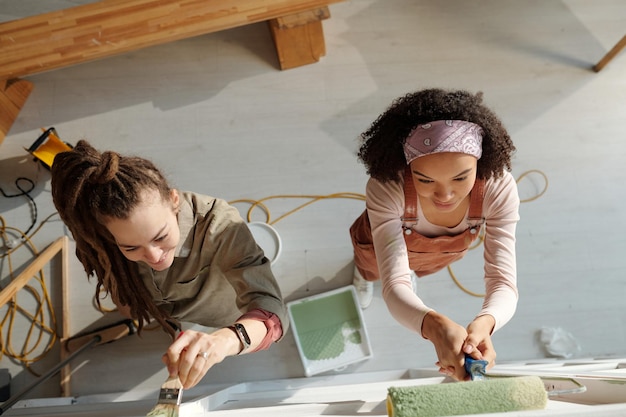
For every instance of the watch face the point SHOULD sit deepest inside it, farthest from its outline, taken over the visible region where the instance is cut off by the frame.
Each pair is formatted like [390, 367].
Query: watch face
[243, 335]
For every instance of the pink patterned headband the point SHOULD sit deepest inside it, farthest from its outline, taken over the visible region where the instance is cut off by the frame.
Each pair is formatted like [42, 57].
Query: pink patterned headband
[444, 136]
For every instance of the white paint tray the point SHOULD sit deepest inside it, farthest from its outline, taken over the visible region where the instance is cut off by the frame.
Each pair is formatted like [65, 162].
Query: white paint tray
[329, 330]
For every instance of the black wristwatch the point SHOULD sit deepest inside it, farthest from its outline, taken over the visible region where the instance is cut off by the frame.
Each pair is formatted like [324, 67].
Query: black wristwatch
[242, 334]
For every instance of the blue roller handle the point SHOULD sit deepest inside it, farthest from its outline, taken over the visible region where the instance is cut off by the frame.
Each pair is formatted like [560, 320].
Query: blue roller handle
[476, 368]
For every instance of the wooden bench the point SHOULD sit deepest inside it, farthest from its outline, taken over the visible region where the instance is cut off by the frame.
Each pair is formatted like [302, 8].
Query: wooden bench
[104, 28]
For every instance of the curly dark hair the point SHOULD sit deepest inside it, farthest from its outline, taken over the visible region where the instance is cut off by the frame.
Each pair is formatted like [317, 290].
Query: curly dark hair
[382, 151]
[87, 188]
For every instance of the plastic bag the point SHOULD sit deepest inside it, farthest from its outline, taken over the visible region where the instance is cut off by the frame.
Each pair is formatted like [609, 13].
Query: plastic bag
[559, 342]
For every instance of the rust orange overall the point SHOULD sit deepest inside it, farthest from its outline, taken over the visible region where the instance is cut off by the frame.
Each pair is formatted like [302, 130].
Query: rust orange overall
[427, 255]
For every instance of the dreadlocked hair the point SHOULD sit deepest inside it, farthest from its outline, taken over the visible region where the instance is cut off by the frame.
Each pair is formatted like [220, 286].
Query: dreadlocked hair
[88, 187]
[382, 144]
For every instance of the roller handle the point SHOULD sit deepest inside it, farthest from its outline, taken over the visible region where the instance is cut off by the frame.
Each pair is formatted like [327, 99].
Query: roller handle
[554, 385]
[476, 368]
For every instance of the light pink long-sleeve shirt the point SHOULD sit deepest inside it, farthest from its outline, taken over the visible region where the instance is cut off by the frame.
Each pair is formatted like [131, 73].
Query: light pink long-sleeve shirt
[385, 208]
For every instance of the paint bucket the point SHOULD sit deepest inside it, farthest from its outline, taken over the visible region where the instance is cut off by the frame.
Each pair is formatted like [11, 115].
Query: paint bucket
[329, 330]
[268, 239]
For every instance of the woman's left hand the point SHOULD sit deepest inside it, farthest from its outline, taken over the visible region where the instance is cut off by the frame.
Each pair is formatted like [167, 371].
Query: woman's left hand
[193, 353]
[478, 343]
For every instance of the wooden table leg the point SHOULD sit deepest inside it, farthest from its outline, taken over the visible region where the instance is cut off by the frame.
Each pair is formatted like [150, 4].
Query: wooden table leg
[610, 55]
[299, 38]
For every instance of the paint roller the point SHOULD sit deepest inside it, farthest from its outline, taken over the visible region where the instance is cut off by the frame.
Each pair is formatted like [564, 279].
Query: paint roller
[461, 398]
[75, 346]
[486, 394]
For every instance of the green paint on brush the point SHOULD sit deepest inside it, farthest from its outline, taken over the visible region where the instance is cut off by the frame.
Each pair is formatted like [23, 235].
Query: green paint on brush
[324, 325]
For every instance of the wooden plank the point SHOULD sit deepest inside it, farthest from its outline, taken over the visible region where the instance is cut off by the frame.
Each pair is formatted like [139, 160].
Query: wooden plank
[66, 371]
[96, 30]
[60, 245]
[303, 18]
[13, 95]
[22, 279]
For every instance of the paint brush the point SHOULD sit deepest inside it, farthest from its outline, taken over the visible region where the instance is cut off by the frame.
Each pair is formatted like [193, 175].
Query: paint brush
[169, 399]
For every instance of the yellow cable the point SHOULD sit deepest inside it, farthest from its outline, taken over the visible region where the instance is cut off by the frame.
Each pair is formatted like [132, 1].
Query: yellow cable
[545, 188]
[43, 309]
[313, 198]
[254, 204]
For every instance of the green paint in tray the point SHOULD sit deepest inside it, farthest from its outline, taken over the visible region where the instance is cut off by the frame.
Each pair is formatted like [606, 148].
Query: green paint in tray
[324, 325]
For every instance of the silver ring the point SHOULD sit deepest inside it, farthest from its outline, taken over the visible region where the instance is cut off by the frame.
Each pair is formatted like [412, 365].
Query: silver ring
[204, 355]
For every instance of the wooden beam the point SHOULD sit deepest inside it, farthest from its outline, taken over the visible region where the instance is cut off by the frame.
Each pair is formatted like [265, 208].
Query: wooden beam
[107, 27]
[13, 95]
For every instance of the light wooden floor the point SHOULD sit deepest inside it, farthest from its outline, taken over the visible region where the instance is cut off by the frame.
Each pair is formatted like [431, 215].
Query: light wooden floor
[220, 118]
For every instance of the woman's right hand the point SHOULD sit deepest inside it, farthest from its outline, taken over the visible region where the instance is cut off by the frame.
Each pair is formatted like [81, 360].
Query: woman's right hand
[193, 353]
[448, 338]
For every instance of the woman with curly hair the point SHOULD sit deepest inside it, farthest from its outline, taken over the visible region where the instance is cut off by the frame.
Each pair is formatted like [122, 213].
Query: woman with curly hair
[169, 255]
[439, 163]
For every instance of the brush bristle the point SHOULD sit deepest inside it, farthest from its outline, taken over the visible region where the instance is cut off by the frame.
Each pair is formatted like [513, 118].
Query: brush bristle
[164, 410]
[169, 399]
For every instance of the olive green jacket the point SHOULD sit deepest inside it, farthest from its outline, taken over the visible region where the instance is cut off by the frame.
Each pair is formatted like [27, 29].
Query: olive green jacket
[219, 272]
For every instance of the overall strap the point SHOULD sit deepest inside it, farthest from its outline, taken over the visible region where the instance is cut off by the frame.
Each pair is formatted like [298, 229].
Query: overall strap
[476, 201]
[410, 198]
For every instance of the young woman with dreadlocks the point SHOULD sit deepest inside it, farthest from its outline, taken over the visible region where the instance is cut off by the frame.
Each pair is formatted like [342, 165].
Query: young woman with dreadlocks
[439, 165]
[169, 255]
